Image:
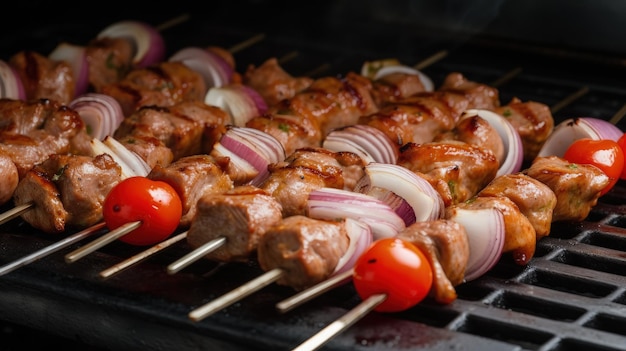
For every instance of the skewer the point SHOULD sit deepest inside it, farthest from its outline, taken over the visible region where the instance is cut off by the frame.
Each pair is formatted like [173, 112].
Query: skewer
[618, 115]
[506, 77]
[430, 60]
[308, 294]
[195, 255]
[236, 294]
[341, 324]
[15, 212]
[569, 99]
[173, 22]
[141, 256]
[61, 244]
[244, 44]
[101, 241]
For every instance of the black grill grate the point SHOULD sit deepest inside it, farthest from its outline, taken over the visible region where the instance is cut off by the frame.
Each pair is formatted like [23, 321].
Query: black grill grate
[571, 296]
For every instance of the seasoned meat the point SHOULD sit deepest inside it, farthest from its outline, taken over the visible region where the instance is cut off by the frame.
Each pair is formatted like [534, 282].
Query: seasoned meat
[67, 190]
[457, 170]
[149, 148]
[532, 120]
[334, 102]
[477, 131]
[306, 249]
[480, 96]
[396, 86]
[519, 238]
[291, 181]
[419, 118]
[241, 215]
[109, 60]
[163, 84]
[10, 177]
[44, 78]
[193, 177]
[273, 83]
[187, 128]
[576, 186]
[535, 199]
[293, 132]
[446, 246]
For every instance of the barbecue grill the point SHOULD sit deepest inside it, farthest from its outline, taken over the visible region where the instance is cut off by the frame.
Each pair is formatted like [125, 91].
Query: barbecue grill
[571, 296]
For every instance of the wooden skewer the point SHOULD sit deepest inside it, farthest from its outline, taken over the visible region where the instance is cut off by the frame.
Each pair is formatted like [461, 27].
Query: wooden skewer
[141, 256]
[569, 99]
[341, 324]
[430, 60]
[236, 294]
[308, 294]
[173, 22]
[195, 255]
[101, 241]
[506, 77]
[15, 212]
[10, 267]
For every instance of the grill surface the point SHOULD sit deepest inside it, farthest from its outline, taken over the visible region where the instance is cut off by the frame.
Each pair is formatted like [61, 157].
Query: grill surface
[572, 295]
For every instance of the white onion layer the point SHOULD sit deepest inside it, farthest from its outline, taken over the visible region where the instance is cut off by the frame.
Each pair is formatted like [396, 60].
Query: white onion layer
[10, 83]
[570, 130]
[360, 239]
[76, 57]
[101, 113]
[147, 41]
[369, 143]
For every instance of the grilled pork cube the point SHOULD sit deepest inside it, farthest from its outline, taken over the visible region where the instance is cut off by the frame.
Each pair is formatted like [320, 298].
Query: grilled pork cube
[457, 170]
[576, 186]
[162, 84]
[334, 102]
[419, 118]
[532, 120]
[306, 249]
[293, 132]
[10, 178]
[149, 148]
[291, 180]
[192, 177]
[477, 131]
[109, 59]
[519, 238]
[187, 128]
[446, 246]
[273, 83]
[67, 190]
[44, 78]
[396, 86]
[535, 199]
[241, 215]
[480, 96]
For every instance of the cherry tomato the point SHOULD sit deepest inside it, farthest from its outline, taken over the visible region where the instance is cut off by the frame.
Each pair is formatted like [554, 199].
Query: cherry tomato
[394, 267]
[605, 154]
[155, 203]
[622, 143]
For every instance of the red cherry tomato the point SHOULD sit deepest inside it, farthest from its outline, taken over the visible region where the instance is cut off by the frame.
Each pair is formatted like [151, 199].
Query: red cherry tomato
[394, 267]
[605, 154]
[622, 143]
[155, 203]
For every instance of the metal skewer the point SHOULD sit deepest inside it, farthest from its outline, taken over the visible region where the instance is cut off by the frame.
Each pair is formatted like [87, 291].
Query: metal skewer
[9, 267]
[195, 255]
[101, 241]
[141, 256]
[15, 212]
[236, 294]
[341, 324]
[308, 294]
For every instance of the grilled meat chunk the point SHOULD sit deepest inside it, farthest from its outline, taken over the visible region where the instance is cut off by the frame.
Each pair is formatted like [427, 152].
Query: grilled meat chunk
[293, 132]
[149, 148]
[396, 86]
[446, 246]
[457, 170]
[532, 120]
[67, 190]
[193, 177]
[44, 78]
[576, 186]
[477, 131]
[479, 95]
[535, 199]
[163, 84]
[291, 180]
[273, 83]
[10, 178]
[109, 60]
[242, 215]
[307, 249]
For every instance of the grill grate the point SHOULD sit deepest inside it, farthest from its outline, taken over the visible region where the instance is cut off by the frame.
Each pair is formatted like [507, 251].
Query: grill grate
[571, 296]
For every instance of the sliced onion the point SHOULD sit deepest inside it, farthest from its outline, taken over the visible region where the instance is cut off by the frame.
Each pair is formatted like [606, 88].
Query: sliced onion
[146, 40]
[360, 239]
[514, 150]
[10, 83]
[331, 203]
[245, 170]
[241, 104]
[101, 113]
[98, 148]
[214, 69]
[485, 232]
[76, 57]
[137, 164]
[380, 68]
[371, 144]
[570, 130]
[425, 201]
